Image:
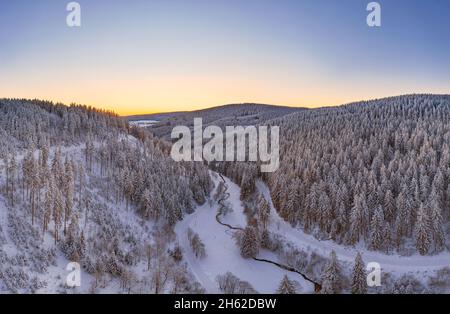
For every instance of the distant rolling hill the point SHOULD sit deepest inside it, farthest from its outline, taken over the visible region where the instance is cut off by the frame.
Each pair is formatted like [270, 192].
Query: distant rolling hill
[235, 114]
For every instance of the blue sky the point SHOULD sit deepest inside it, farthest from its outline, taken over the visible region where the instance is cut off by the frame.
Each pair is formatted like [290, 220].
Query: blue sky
[162, 55]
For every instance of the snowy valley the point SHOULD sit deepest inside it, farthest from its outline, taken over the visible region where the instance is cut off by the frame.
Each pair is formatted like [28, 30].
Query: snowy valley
[82, 185]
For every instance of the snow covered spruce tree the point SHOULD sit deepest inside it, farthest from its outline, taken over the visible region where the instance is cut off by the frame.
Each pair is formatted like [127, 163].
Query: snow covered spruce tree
[286, 286]
[359, 277]
[422, 231]
[331, 276]
[263, 212]
[68, 174]
[341, 167]
[376, 227]
[249, 243]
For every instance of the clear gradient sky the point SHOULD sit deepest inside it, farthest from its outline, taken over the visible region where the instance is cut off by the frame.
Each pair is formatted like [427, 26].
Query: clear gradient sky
[146, 56]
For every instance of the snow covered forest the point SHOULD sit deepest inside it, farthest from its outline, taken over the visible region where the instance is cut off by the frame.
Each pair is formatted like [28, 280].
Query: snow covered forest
[77, 184]
[366, 177]
[235, 114]
[376, 172]
[364, 182]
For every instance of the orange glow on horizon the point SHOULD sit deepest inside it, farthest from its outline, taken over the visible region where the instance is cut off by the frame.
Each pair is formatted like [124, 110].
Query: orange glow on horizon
[124, 109]
[148, 95]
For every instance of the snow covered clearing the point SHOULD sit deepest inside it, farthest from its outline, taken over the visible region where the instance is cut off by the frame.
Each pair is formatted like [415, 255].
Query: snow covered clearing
[143, 123]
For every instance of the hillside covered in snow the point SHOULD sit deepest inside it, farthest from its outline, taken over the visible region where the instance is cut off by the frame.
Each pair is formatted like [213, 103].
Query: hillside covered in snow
[357, 184]
[80, 185]
[234, 114]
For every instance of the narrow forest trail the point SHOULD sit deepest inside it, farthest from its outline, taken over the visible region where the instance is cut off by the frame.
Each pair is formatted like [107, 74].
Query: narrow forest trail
[226, 195]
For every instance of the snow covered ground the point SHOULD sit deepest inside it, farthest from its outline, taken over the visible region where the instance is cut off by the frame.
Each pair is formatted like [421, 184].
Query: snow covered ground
[223, 254]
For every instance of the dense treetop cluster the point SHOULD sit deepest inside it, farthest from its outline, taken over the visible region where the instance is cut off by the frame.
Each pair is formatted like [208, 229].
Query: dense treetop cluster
[376, 171]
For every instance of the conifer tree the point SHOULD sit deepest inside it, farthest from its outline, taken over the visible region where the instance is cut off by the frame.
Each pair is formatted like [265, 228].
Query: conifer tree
[263, 212]
[331, 276]
[68, 192]
[436, 220]
[48, 203]
[422, 231]
[376, 229]
[286, 286]
[359, 277]
[358, 217]
[249, 243]
[58, 208]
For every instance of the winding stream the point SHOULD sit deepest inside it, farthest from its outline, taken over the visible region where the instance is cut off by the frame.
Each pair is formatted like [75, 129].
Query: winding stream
[226, 195]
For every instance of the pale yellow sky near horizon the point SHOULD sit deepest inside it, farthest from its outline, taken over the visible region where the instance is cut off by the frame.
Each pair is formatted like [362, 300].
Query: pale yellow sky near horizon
[150, 95]
[167, 109]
